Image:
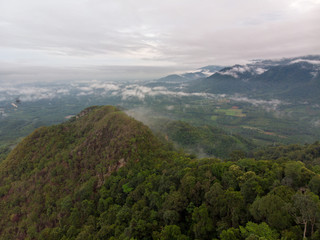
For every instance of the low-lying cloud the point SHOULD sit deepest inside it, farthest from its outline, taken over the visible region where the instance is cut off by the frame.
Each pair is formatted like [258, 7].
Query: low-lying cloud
[125, 92]
[267, 104]
[31, 93]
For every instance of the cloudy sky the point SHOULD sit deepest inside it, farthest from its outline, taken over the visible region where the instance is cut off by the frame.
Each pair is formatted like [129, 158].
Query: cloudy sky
[120, 39]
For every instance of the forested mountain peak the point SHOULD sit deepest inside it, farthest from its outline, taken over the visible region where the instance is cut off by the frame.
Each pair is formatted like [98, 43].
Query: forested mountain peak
[103, 175]
[73, 158]
[97, 135]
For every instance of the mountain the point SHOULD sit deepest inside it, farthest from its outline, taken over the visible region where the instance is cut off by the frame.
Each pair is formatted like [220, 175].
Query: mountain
[294, 78]
[72, 159]
[298, 80]
[211, 68]
[103, 175]
[176, 79]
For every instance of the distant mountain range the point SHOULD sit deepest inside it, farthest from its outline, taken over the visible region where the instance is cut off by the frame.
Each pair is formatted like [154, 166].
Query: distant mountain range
[176, 79]
[289, 78]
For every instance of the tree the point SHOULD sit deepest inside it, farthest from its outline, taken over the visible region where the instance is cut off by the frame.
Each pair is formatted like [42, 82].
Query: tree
[258, 231]
[234, 204]
[306, 209]
[296, 174]
[250, 186]
[314, 184]
[172, 232]
[230, 234]
[272, 209]
[202, 224]
[231, 177]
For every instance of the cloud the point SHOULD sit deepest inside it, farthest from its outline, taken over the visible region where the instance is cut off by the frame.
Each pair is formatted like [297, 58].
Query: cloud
[269, 105]
[147, 33]
[18, 73]
[317, 62]
[141, 92]
[34, 92]
[31, 93]
[105, 86]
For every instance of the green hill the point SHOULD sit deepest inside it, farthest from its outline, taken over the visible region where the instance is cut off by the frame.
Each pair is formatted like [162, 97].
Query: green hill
[204, 140]
[69, 161]
[103, 175]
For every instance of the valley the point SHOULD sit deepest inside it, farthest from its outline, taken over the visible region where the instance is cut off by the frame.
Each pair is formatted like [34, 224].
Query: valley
[159, 120]
[98, 173]
[270, 117]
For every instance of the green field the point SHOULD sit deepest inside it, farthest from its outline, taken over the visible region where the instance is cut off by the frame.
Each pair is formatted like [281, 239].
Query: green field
[231, 112]
[214, 117]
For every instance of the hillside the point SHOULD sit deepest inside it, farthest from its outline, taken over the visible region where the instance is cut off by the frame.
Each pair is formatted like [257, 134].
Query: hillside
[204, 141]
[103, 175]
[294, 78]
[68, 160]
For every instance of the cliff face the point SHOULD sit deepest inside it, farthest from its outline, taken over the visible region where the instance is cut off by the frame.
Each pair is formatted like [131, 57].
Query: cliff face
[65, 164]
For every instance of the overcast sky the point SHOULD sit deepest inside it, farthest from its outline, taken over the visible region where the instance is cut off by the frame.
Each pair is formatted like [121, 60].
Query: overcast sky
[89, 39]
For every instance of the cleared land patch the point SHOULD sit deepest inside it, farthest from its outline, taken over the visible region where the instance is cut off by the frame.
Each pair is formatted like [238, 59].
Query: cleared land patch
[231, 112]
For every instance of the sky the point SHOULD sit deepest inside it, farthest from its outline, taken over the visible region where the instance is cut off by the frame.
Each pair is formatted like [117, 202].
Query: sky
[60, 40]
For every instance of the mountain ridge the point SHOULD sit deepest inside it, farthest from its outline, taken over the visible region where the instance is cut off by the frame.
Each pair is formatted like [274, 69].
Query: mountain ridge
[103, 175]
[77, 156]
[283, 78]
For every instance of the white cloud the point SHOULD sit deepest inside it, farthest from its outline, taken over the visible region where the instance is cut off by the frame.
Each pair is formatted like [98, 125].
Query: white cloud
[105, 86]
[89, 33]
[141, 92]
[84, 93]
[266, 104]
[229, 73]
[234, 71]
[85, 89]
[259, 70]
[30, 93]
[317, 62]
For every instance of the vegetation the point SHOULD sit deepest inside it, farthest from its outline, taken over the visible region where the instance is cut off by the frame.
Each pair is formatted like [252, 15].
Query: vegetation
[232, 112]
[103, 175]
[4, 151]
[204, 141]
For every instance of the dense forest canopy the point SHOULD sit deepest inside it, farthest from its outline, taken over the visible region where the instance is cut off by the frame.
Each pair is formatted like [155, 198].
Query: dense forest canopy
[103, 175]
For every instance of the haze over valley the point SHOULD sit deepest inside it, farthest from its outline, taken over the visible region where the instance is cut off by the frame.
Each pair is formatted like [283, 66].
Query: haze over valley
[160, 120]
